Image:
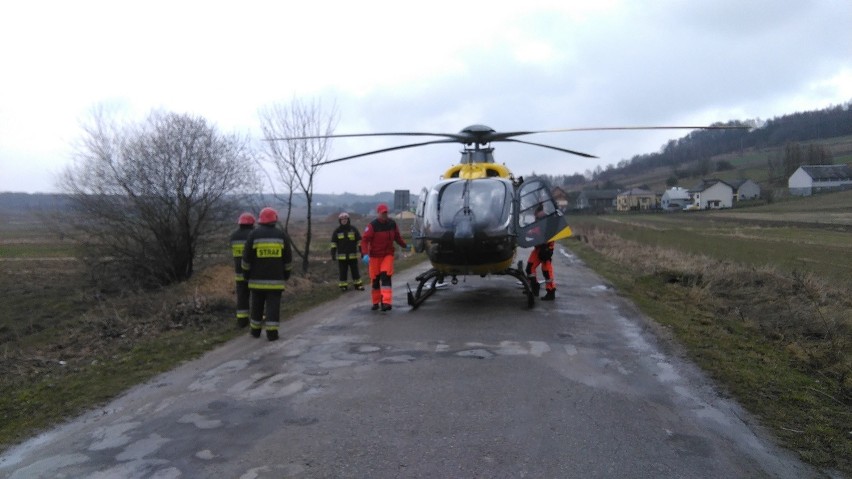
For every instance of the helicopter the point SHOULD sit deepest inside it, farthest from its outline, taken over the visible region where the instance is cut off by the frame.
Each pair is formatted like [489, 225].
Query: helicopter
[473, 220]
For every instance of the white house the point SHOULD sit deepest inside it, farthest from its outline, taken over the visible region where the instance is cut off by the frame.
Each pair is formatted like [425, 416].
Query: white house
[675, 198]
[809, 179]
[745, 190]
[712, 194]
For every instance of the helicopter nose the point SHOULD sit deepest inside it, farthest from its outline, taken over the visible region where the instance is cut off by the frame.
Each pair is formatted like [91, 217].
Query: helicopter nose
[463, 233]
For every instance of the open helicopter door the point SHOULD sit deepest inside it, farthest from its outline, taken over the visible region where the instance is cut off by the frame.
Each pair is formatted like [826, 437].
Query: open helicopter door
[417, 226]
[539, 219]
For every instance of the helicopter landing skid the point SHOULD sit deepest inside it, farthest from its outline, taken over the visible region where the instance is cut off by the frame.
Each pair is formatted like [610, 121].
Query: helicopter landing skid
[521, 276]
[415, 299]
[423, 291]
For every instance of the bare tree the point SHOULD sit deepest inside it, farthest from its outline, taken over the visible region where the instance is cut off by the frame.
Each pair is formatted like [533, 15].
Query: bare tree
[150, 193]
[297, 160]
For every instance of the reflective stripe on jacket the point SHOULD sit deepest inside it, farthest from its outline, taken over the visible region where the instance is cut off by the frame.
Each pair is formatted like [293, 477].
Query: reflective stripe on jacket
[238, 242]
[267, 258]
[346, 242]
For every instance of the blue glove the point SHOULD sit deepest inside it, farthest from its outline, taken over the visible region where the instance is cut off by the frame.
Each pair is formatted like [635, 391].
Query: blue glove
[366, 259]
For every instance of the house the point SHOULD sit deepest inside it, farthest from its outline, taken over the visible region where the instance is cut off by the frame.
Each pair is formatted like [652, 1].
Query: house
[809, 179]
[745, 190]
[712, 194]
[596, 200]
[675, 198]
[636, 199]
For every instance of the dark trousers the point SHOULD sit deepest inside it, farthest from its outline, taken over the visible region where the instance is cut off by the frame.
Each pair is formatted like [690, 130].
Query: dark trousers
[348, 265]
[242, 300]
[265, 303]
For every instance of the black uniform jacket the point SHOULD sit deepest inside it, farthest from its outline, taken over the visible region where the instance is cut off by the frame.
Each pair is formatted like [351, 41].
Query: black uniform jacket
[238, 242]
[346, 243]
[267, 258]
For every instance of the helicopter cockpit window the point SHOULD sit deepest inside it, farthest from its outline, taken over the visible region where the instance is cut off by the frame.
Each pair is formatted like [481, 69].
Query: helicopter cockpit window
[536, 200]
[489, 202]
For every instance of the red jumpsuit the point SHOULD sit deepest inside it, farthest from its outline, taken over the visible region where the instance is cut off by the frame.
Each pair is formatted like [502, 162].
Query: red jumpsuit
[377, 242]
[541, 255]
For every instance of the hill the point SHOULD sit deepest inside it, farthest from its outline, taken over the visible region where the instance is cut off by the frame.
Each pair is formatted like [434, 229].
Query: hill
[766, 153]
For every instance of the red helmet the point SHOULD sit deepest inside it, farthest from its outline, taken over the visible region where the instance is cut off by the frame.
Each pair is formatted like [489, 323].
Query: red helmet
[246, 219]
[382, 208]
[268, 216]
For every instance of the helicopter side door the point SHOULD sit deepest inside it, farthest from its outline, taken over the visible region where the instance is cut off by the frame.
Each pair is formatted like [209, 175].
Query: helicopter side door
[539, 218]
[417, 232]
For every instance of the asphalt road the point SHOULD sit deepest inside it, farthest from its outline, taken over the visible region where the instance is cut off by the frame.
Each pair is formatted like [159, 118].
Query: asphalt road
[470, 385]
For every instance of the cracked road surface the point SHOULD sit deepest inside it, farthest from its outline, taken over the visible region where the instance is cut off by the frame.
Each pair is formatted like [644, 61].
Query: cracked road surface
[472, 384]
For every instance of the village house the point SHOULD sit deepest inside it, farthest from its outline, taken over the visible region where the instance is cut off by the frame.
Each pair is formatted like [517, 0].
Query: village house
[599, 201]
[712, 194]
[745, 190]
[810, 179]
[636, 199]
[675, 198]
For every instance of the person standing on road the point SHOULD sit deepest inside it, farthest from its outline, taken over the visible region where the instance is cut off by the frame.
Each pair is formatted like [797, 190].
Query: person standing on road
[346, 250]
[238, 241]
[377, 248]
[542, 255]
[267, 263]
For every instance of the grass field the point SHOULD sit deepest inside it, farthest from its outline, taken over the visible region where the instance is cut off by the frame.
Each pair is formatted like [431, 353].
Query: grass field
[760, 304]
[758, 297]
[68, 343]
[810, 235]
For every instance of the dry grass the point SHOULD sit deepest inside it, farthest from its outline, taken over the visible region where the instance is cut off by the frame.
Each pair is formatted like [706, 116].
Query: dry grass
[781, 342]
[71, 339]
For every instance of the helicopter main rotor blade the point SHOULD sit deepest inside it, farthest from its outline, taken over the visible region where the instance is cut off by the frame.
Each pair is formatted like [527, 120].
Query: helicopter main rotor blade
[454, 136]
[482, 134]
[578, 153]
[613, 128]
[383, 150]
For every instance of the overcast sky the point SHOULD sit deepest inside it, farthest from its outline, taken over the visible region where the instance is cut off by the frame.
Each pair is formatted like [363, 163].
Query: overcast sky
[432, 66]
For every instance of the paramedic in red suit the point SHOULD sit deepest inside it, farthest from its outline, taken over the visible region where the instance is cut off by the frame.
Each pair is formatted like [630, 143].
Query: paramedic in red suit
[542, 255]
[377, 248]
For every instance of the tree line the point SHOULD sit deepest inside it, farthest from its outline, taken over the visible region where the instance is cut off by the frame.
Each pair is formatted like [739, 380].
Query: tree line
[149, 195]
[698, 147]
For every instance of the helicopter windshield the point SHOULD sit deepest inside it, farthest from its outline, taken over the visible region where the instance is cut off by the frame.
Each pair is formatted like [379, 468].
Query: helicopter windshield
[489, 201]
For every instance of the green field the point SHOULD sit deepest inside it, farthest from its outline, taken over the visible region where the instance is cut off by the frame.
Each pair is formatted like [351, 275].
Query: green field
[758, 297]
[767, 235]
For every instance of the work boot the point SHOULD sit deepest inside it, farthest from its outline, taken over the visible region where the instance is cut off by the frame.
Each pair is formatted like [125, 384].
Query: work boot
[550, 296]
[386, 307]
[375, 307]
[272, 335]
[255, 333]
[242, 322]
[359, 287]
[344, 288]
[536, 288]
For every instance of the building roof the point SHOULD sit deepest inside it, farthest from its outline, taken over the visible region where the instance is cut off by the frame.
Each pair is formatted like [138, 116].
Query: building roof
[707, 183]
[636, 192]
[677, 193]
[828, 172]
[735, 184]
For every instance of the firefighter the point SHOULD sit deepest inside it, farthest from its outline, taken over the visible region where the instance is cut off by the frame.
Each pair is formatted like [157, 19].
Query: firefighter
[267, 262]
[346, 250]
[542, 255]
[377, 248]
[238, 240]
